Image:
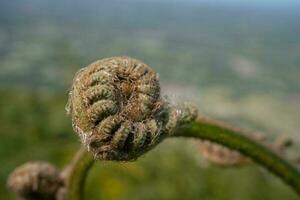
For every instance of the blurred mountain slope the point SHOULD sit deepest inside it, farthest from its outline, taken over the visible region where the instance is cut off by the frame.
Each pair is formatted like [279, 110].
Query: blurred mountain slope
[238, 63]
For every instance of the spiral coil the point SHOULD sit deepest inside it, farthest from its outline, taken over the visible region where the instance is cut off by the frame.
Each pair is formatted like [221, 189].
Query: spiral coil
[36, 180]
[117, 110]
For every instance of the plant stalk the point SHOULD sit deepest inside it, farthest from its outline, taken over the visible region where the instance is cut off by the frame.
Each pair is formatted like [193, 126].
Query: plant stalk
[206, 129]
[79, 168]
[236, 139]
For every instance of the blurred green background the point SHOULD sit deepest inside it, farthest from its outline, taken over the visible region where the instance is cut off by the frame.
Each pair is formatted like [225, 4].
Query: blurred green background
[238, 60]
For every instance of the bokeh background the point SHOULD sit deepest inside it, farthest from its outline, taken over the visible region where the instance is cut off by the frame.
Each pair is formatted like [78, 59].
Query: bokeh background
[238, 60]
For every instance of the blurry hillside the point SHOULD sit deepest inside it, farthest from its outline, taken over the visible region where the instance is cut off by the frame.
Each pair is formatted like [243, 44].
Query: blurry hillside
[239, 63]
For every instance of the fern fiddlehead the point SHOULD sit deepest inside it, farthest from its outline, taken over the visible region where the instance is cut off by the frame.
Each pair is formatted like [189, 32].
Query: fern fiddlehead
[117, 110]
[118, 113]
[36, 180]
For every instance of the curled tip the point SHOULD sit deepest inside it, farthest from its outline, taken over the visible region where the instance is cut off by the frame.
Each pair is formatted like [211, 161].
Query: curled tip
[117, 110]
[35, 180]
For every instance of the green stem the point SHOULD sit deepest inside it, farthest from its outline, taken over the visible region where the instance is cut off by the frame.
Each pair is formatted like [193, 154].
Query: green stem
[234, 138]
[206, 129]
[80, 166]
